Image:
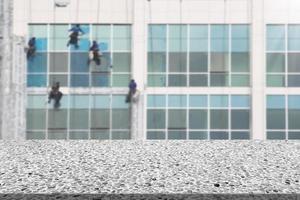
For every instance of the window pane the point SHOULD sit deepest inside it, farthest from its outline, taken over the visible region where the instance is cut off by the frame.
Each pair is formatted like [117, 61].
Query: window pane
[198, 62]
[198, 80]
[240, 135]
[240, 101]
[294, 136]
[198, 38]
[238, 80]
[178, 101]
[177, 62]
[156, 101]
[62, 79]
[36, 80]
[156, 135]
[121, 80]
[36, 101]
[294, 62]
[177, 38]
[59, 37]
[156, 62]
[121, 62]
[35, 119]
[79, 118]
[57, 135]
[177, 135]
[240, 62]
[219, 38]
[198, 135]
[120, 135]
[294, 38]
[100, 79]
[177, 119]
[219, 101]
[38, 31]
[275, 101]
[100, 119]
[198, 119]
[100, 135]
[120, 119]
[294, 80]
[275, 135]
[240, 119]
[219, 62]
[157, 38]
[79, 62]
[275, 119]
[80, 81]
[293, 118]
[59, 62]
[156, 119]
[198, 101]
[35, 135]
[275, 62]
[122, 37]
[275, 38]
[75, 135]
[157, 80]
[100, 101]
[218, 119]
[276, 80]
[38, 63]
[57, 119]
[83, 45]
[177, 80]
[219, 135]
[118, 101]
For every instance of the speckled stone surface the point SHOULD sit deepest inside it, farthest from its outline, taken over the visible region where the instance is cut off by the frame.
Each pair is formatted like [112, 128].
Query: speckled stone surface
[180, 167]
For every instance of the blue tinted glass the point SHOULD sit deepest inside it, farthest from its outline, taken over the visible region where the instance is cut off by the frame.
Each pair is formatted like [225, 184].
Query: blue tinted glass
[178, 38]
[199, 31]
[64, 102]
[157, 45]
[79, 62]
[198, 101]
[156, 100]
[219, 38]
[240, 101]
[36, 101]
[240, 31]
[240, 45]
[275, 101]
[275, 38]
[100, 80]
[100, 101]
[219, 101]
[41, 44]
[294, 102]
[118, 101]
[219, 31]
[79, 80]
[157, 31]
[177, 101]
[38, 63]
[84, 45]
[79, 101]
[198, 38]
[294, 37]
[36, 80]
[275, 31]
[85, 28]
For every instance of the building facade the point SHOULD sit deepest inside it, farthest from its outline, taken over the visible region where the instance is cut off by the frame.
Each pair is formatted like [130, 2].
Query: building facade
[205, 69]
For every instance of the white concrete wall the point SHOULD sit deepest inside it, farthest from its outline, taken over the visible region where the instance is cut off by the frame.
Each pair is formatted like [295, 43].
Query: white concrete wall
[139, 13]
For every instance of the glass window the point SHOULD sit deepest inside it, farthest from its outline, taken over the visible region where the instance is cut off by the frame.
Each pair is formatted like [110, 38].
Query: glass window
[35, 135]
[156, 101]
[275, 38]
[198, 38]
[240, 119]
[240, 101]
[120, 135]
[198, 135]
[275, 101]
[240, 80]
[218, 119]
[79, 112]
[293, 118]
[100, 119]
[219, 135]
[219, 79]
[198, 62]
[177, 119]
[219, 62]
[100, 135]
[122, 37]
[294, 62]
[294, 135]
[157, 38]
[219, 101]
[198, 80]
[79, 62]
[121, 80]
[62, 79]
[240, 62]
[100, 101]
[156, 135]
[294, 102]
[118, 101]
[219, 38]
[76, 135]
[198, 119]
[57, 135]
[38, 30]
[199, 101]
[80, 80]
[35, 119]
[275, 62]
[156, 119]
[157, 80]
[276, 80]
[177, 62]
[178, 101]
[36, 101]
[240, 38]
[294, 38]
[156, 62]
[177, 80]
[275, 119]
[275, 135]
[57, 119]
[58, 62]
[177, 38]
[120, 119]
[177, 135]
[59, 37]
[294, 80]
[38, 64]
[36, 80]
[121, 62]
[240, 135]
[100, 80]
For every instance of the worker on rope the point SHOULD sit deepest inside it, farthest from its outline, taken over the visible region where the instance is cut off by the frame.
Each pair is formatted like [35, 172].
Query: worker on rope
[132, 91]
[95, 54]
[76, 30]
[55, 94]
[31, 48]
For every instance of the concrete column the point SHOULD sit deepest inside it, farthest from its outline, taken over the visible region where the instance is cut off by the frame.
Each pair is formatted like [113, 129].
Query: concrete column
[258, 70]
[139, 40]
